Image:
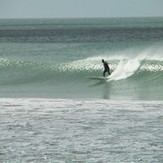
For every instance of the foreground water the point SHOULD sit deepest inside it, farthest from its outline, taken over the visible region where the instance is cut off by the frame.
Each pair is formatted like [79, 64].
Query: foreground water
[50, 130]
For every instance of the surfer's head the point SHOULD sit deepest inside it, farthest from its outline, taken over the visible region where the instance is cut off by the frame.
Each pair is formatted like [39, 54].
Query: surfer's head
[102, 60]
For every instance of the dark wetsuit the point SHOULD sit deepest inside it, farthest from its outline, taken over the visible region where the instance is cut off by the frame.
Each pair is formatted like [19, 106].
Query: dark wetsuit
[106, 68]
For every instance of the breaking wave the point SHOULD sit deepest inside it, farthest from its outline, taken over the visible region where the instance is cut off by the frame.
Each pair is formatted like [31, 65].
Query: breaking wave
[13, 71]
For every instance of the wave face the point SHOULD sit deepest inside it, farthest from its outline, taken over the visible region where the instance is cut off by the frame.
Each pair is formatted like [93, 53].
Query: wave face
[14, 71]
[143, 76]
[54, 58]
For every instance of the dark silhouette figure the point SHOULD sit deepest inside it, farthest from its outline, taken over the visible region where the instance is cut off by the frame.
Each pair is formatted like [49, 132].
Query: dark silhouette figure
[106, 68]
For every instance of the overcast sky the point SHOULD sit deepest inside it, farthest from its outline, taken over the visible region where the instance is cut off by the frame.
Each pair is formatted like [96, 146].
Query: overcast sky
[79, 8]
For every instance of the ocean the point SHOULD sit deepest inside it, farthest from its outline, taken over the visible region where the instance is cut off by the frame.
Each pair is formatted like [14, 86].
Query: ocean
[52, 111]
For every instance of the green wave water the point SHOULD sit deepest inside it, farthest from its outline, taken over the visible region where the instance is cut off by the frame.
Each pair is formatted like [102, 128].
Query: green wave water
[146, 76]
[52, 58]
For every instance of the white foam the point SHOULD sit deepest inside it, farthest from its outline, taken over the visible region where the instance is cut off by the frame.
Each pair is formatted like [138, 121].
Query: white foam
[125, 69]
[44, 130]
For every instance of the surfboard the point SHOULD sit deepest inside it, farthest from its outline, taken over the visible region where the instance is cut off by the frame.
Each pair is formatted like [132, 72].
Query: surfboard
[97, 78]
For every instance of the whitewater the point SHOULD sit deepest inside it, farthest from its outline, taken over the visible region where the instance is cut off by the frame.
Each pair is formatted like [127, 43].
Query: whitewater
[51, 111]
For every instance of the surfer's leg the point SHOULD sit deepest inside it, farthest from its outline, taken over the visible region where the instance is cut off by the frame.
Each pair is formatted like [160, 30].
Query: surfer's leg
[104, 73]
[109, 73]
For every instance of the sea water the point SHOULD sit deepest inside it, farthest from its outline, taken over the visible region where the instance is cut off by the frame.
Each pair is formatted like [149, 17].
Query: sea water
[51, 111]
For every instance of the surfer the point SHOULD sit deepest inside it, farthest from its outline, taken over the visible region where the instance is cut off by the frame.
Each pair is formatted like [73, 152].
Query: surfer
[106, 68]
